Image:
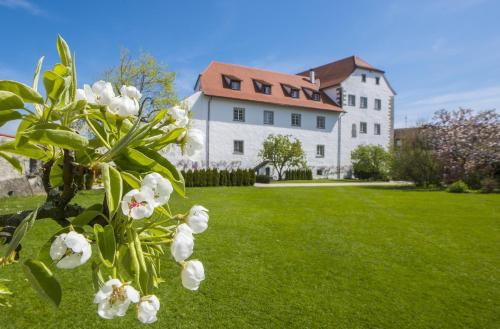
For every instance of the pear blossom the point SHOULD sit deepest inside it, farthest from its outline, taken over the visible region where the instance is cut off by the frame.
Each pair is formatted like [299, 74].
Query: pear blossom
[130, 92]
[183, 244]
[124, 106]
[197, 219]
[114, 298]
[147, 309]
[192, 274]
[180, 116]
[194, 142]
[161, 187]
[70, 250]
[138, 204]
[80, 95]
[102, 92]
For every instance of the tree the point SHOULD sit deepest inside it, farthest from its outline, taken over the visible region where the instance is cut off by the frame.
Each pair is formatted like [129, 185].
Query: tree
[467, 144]
[151, 78]
[414, 160]
[132, 227]
[282, 152]
[370, 162]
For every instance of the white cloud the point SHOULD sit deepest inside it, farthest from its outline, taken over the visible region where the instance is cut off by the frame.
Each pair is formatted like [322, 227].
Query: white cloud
[422, 107]
[24, 5]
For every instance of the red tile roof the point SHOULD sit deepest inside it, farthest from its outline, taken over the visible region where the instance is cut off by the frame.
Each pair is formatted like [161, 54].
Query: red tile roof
[332, 74]
[211, 83]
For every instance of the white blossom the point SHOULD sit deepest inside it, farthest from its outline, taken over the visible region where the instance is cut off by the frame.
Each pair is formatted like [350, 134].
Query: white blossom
[80, 95]
[180, 116]
[131, 92]
[70, 250]
[197, 219]
[102, 93]
[114, 298]
[183, 244]
[124, 106]
[161, 187]
[194, 142]
[138, 204]
[147, 309]
[192, 274]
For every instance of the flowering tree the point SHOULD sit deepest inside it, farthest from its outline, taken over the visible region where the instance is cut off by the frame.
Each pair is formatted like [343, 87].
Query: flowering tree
[282, 153]
[131, 229]
[465, 143]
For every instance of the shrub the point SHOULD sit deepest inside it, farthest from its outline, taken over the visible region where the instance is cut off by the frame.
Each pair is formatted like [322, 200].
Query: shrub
[489, 185]
[263, 179]
[370, 162]
[458, 187]
[298, 174]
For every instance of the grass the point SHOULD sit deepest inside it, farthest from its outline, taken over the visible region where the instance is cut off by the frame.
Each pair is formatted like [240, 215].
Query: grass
[343, 257]
[322, 180]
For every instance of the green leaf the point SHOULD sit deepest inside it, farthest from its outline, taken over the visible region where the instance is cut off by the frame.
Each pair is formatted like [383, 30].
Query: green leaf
[163, 141]
[131, 180]
[36, 76]
[13, 161]
[113, 186]
[105, 238]
[63, 50]
[97, 278]
[10, 101]
[54, 85]
[25, 124]
[23, 228]
[43, 281]
[9, 115]
[26, 93]
[56, 173]
[143, 160]
[60, 138]
[28, 150]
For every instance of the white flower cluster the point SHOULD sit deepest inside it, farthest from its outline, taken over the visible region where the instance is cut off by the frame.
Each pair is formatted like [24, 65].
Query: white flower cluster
[70, 250]
[101, 93]
[154, 192]
[114, 298]
[182, 247]
[194, 139]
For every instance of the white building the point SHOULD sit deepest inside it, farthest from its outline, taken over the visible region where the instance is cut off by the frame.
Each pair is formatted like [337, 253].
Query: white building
[331, 109]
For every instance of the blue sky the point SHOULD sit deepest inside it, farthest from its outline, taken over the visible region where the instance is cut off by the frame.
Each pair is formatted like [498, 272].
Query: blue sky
[437, 53]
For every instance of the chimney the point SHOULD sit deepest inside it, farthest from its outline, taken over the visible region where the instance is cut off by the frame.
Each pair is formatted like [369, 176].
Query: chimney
[312, 76]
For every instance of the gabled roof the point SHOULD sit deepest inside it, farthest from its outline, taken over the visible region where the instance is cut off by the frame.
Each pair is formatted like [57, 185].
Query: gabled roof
[334, 73]
[211, 83]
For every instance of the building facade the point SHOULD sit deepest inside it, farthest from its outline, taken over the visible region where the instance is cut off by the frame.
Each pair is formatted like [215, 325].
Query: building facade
[331, 109]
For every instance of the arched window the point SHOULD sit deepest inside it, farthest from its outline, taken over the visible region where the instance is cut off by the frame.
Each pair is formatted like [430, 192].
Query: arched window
[354, 133]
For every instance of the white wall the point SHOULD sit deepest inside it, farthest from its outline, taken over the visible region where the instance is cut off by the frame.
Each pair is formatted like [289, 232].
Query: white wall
[355, 114]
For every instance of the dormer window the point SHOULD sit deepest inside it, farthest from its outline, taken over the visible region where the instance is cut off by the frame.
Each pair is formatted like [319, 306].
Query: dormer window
[312, 94]
[291, 91]
[231, 82]
[262, 87]
[363, 77]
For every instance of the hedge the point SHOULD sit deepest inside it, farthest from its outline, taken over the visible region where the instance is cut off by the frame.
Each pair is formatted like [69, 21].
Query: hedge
[215, 177]
[298, 174]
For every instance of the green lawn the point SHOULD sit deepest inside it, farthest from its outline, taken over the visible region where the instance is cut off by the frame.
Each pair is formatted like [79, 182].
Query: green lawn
[342, 257]
[322, 180]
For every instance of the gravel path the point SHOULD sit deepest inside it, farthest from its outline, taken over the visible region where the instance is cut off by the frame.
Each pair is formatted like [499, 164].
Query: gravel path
[392, 183]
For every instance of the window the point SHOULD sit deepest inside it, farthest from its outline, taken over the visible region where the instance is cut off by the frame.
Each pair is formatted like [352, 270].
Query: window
[378, 104]
[239, 114]
[238, 147]
[268, 117]
[231, 82]
[377, 80]
[398, 142]
[351, 100]
[363, 102]
[290, 91]
[320, 151]
[320, 122]
[262, 87]
[363, 128]
[319, 172]
[354, 132]
[316, 97]
[377, 129]
[363, 77]
[296, 120]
